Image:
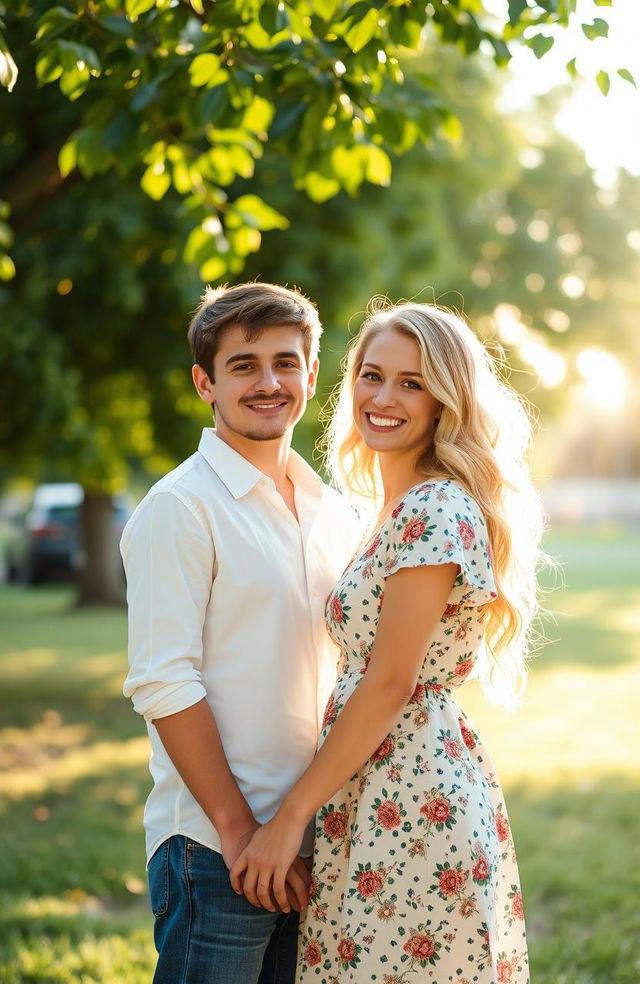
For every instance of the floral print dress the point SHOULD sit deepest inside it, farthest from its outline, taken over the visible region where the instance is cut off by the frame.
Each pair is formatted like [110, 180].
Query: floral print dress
[414, 874]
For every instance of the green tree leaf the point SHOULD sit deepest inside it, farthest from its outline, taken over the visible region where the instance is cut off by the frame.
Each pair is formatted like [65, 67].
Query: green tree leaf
[67, 158]
[362, 28]
[258, 116]
[54, 22]
[135, 8]
[516, 9]
[604, 83]
[599, 29]
[213, 269]
[540, 44]
[207, 70]
[625, 74]
[7, 267]
[256, 214]
[156, 180]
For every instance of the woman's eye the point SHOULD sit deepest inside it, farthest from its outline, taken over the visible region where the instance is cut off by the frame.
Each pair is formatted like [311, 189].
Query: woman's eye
[370, 375]
[411, 384]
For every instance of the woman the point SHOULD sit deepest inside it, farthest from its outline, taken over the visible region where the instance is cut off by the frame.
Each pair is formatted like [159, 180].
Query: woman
[414, 874]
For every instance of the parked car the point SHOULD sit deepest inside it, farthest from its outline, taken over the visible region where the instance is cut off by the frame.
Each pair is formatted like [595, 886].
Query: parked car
[48, 545]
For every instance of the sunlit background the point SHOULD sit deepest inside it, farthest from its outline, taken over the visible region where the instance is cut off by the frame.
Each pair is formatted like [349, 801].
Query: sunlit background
[523, 211]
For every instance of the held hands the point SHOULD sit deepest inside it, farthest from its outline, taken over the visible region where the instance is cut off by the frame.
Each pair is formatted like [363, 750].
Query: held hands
[269, 869]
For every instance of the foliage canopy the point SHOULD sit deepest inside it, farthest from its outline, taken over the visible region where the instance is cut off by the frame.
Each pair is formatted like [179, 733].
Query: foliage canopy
[186, 94]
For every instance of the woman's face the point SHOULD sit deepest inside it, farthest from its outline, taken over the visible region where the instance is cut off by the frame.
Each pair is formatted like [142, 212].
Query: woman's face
[392, 407]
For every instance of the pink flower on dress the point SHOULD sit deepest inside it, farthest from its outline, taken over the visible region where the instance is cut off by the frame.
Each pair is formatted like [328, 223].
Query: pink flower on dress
[452, 748]
[502, 826]
[346, 949]
[370, 882]
[372, 548]
[418, 694]
[450, 611]
[386, 911]
[437, 810]
[467, 737]
[421, 946]
[331, 712]
[335, 824]
[384, 750]
[466, 533]
[467, 908]
[312, 953]
[413, 530]
[480, 870]
[505, 970]
[336, 610]
[396, 512]
[388, 815]
[516, 906]
[451, 880]
[463, 668]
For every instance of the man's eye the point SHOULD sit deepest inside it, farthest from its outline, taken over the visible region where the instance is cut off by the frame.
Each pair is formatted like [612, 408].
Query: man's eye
[243, 366]
[286, 365]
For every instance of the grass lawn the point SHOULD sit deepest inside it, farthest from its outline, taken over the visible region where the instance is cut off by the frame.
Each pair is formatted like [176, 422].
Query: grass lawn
[73, 778]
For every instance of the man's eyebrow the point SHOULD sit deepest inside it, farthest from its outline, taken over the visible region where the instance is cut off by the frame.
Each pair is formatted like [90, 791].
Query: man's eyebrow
[251, 357]
[287, 355]
[406, 372]
[243, 357]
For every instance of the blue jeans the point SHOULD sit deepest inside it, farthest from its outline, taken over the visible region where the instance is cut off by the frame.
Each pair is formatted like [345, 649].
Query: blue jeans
[205, 933]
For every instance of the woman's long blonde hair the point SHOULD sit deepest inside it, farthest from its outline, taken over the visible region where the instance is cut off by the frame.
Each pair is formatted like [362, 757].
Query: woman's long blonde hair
[480, 442]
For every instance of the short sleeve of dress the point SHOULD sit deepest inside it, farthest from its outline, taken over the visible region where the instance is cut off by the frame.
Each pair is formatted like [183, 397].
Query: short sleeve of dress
[440, 523]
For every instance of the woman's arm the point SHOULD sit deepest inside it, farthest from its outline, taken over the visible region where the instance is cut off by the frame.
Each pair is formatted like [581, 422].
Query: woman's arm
[413, 603]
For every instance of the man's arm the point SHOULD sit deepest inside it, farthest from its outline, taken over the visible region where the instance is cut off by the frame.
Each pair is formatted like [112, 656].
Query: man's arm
[193, 743]
[169, 560]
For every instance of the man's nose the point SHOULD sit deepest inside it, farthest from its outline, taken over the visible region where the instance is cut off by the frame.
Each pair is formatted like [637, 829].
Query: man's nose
[268, 381]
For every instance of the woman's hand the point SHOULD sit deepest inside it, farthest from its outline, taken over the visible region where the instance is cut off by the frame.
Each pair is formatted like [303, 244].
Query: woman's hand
[268, 863]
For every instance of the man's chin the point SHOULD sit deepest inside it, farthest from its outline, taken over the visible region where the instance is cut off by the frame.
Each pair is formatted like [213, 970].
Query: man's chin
[270, 434]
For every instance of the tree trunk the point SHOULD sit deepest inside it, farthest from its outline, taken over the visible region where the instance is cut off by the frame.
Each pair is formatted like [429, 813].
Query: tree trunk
[100, 578]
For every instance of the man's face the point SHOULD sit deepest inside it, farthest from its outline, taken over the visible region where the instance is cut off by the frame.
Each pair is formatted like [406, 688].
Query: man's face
[261, 388]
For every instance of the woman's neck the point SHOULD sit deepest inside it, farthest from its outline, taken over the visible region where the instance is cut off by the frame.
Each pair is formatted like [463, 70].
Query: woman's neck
[398, 475]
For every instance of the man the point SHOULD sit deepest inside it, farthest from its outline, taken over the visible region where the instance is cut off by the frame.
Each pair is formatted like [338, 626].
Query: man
[229, 560]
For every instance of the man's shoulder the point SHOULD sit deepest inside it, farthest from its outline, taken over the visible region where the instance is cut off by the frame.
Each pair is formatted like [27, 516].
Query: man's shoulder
[187, 485]
[185, 481]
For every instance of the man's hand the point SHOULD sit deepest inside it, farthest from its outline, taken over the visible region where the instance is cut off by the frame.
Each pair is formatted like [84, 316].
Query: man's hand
[269, 864]
[298, 883]
[298, 877]
[234, 842]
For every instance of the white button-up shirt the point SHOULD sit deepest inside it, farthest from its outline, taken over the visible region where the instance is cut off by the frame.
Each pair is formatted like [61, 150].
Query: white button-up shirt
[226, 595]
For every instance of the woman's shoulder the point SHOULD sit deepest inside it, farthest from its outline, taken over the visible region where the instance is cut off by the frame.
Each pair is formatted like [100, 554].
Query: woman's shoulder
[442, 497]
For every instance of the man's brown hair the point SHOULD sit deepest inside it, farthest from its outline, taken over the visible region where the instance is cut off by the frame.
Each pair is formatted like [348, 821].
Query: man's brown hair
[251, 307]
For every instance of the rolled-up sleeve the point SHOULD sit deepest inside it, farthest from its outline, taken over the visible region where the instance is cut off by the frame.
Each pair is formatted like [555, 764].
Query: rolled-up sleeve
[169, 557]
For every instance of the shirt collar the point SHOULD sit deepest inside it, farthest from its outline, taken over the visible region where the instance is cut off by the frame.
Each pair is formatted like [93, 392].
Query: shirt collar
[240, 476]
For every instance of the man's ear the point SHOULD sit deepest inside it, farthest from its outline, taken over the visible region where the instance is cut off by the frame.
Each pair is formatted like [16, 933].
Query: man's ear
[203, 384]
[313, 378]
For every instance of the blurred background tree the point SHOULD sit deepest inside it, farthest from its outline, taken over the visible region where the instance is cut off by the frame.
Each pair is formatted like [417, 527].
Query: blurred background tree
[169, 144]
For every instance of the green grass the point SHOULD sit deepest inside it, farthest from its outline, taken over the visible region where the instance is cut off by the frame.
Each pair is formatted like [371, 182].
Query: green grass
[73, 778]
